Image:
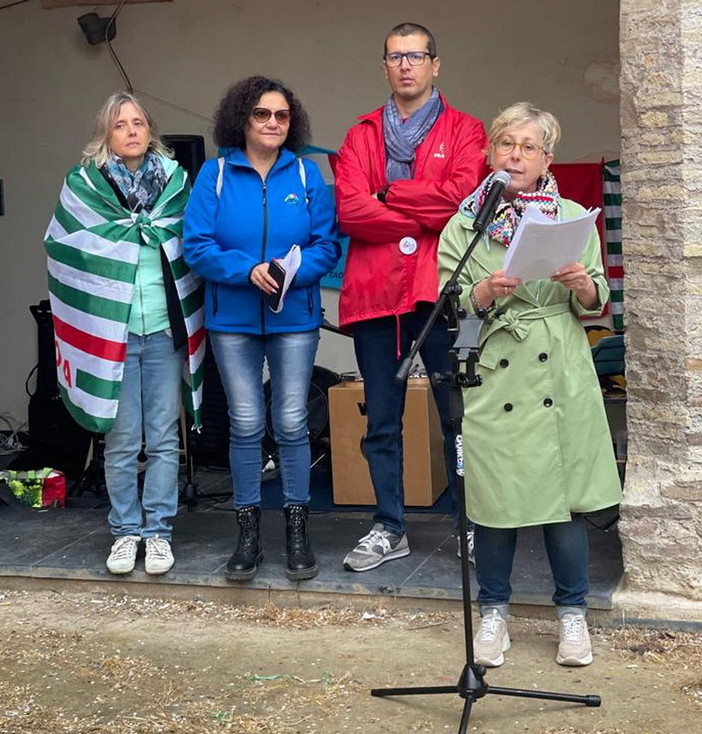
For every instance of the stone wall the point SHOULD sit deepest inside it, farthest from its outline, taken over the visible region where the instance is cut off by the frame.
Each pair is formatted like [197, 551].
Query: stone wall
[661, 121]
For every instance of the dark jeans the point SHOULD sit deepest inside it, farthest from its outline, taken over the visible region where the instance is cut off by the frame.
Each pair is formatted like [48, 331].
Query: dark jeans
[567, 550]
[376, 343]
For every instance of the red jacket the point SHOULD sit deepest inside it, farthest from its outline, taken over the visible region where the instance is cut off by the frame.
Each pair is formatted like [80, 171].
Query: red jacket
[380, 279]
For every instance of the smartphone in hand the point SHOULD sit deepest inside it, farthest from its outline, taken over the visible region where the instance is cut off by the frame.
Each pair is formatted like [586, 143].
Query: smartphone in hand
[277, 272]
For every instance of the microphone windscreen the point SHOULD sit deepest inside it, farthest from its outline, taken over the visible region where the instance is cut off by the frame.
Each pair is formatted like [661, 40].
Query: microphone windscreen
[503, 178]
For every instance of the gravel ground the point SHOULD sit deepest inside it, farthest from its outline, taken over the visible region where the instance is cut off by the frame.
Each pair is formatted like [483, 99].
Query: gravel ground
[94, 664]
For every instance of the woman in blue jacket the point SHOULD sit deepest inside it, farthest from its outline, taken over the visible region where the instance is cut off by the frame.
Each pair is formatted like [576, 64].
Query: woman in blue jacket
[247, 208]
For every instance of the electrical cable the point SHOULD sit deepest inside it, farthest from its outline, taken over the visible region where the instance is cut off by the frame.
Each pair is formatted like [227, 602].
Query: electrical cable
[9, 5]
[109, 25]
[175, 106]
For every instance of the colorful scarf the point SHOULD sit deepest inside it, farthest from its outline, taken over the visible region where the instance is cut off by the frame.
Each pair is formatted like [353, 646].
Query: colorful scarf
[141, 188]
[93, 250]
[402, 137]
[509, 213]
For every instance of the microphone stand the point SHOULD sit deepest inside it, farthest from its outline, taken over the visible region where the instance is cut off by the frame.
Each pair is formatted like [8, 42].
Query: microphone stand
[471, 684]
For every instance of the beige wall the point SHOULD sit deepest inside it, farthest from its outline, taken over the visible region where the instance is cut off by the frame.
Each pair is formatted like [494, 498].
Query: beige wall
[562, 56]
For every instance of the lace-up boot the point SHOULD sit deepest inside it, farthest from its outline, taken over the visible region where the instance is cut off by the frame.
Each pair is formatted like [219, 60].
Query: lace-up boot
[301, 562]
[248, 554]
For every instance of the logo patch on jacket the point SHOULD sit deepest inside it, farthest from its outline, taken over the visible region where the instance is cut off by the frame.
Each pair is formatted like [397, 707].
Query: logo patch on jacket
[292, 199]
[440, 154]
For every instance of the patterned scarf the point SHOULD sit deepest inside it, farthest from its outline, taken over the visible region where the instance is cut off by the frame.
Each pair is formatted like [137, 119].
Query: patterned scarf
[141, 188]
[509, 213]
[402, 138]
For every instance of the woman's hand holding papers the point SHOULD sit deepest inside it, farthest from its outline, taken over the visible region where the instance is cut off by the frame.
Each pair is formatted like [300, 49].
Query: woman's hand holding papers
[575, 278]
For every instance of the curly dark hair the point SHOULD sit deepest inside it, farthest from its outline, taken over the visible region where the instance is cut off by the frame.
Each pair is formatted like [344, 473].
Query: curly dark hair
[235, 108]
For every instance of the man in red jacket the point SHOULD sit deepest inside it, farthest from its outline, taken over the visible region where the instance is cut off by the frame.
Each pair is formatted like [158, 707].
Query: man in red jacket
[401, 174]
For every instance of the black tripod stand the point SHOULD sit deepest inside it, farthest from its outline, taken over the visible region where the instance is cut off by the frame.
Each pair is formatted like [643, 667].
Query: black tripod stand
[471, 684]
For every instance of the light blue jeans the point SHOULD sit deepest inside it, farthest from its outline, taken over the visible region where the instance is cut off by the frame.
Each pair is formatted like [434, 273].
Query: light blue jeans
[290, 360]
[149, 404]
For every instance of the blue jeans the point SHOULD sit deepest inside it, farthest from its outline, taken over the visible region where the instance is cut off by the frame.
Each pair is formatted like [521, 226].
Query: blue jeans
[290, 360]
[149, 405]
[567, 549]
[376, 343]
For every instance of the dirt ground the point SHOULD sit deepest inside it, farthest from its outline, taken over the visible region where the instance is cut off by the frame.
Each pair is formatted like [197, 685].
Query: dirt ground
[98, 664]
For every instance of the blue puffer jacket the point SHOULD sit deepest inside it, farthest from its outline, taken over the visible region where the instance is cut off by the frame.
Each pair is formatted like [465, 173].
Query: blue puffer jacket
[251, 222]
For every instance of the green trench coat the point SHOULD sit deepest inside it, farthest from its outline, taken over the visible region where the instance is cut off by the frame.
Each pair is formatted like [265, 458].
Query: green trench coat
[537, 446]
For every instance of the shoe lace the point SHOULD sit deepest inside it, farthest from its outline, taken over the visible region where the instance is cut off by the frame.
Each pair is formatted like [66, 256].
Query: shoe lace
[158, 547]
[375, 537]
[123, 548]
[490, 627]
[573, 627]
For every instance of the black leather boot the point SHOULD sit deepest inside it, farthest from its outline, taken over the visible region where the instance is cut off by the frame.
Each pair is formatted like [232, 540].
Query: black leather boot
[301, 563]
[248, 554]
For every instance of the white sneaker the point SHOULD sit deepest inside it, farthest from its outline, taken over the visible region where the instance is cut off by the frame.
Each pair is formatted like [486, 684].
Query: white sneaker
[159, 556]
[470, 538]
[574, 647]
[123, 554]
[491, 641]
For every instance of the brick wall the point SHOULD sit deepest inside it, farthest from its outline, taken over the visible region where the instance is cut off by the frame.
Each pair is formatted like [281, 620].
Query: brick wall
[661, 121]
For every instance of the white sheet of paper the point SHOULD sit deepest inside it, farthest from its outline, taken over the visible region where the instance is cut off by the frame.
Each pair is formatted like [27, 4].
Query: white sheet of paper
[541, 246]
[291, 263]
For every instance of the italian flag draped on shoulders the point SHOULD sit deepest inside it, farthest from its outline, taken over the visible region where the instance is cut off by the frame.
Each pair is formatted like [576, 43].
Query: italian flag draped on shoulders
[93, 250]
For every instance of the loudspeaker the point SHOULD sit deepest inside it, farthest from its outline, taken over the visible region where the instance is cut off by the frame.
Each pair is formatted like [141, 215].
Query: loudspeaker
[55, 439]
[189, 151]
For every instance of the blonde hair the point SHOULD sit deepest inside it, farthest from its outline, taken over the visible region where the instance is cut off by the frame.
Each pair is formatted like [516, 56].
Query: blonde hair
[98, 149]
[521, 113]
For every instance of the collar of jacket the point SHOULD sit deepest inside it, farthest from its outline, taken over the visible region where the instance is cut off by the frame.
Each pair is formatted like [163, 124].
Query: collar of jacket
[237, 157]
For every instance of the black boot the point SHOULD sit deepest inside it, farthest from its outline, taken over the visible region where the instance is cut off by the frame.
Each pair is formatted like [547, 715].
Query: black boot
[248, 554]
[301, 563]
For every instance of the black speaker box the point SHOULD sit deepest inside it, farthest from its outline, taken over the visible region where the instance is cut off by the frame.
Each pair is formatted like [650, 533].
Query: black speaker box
[189, 151]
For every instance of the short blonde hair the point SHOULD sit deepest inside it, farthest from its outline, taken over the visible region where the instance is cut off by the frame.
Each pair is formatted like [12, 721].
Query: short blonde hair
[98, 149]
[521, 113]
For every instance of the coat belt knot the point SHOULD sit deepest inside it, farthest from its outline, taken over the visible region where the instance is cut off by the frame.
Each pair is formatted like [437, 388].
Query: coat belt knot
[516, 323]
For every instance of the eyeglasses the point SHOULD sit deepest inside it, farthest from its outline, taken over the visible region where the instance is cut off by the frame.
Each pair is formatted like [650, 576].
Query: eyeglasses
[415, 58]
[262, 114]
[505, 146]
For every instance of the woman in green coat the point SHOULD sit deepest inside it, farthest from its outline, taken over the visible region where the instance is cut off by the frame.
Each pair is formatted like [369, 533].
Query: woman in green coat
[537, 444]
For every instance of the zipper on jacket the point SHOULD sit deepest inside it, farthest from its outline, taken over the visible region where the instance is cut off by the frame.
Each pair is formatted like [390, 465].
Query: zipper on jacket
[215, 304]
[264, 237]
[141, 301]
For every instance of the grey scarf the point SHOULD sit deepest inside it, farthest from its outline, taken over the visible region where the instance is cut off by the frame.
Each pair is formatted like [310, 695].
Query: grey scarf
[402, 138]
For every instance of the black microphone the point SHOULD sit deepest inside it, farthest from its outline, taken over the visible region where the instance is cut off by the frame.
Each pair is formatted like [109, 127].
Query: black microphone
[499, 183]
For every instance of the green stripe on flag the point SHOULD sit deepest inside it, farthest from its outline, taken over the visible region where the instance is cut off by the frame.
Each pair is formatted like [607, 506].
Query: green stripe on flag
[97, 386]
[90, 303]
[67, 220]
[192, 302]
[95, 264]
[89, 422]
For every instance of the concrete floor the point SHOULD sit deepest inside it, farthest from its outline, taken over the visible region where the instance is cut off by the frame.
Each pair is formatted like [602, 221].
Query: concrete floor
[72, 544]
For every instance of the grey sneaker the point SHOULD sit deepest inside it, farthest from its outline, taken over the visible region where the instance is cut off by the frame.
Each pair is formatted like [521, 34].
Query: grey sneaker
[123, 554]
[574, 647]
[378, 546]
[159, 556]
[470, 537]
[491, 641]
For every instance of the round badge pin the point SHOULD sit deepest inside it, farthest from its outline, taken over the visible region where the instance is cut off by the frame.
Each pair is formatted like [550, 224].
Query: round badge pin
[408, 245]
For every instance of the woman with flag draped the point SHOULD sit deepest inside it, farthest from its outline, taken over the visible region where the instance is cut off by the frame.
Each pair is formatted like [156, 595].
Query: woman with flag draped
[128, 320]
